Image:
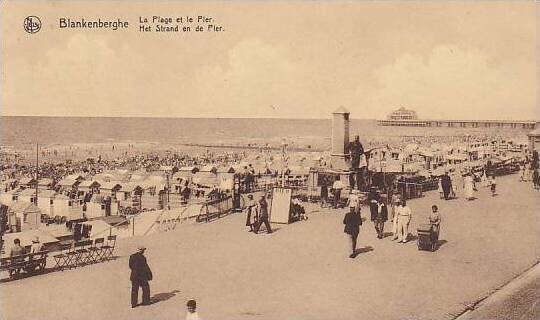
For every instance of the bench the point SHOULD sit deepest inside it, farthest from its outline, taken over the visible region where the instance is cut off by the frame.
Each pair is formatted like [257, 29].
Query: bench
[29, 262]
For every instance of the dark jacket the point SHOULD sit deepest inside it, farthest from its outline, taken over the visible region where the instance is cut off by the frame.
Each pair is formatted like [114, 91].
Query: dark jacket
[140, 271]
[356, 149]
[352, 222]
[264, 209]
[446, 182]
[373, 208]
[383, 216]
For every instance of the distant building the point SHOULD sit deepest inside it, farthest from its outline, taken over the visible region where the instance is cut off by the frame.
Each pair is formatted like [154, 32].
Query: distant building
[402, 114]
[534, 138]
[408, 118]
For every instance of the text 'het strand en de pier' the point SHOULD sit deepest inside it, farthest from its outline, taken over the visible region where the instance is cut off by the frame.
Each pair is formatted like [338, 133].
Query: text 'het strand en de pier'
[179, 24]
[148, 24]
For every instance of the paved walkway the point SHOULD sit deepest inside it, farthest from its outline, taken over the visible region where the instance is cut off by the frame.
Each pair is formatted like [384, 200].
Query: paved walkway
[302, 271]
[519, 300]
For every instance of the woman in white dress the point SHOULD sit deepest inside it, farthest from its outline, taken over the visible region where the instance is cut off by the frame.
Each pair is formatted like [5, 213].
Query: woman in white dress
[468, 186]
[395, 218]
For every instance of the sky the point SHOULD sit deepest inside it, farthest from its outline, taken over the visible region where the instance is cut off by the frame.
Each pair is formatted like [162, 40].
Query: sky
[303, 59]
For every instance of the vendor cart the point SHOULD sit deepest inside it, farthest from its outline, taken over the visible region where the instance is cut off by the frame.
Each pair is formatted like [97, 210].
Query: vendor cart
[428, 237]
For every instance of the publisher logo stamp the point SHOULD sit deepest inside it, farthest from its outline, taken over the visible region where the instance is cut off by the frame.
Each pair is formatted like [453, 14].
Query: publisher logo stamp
[32, 24]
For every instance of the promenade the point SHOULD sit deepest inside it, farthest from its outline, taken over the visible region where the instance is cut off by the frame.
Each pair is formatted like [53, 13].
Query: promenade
[302, 271]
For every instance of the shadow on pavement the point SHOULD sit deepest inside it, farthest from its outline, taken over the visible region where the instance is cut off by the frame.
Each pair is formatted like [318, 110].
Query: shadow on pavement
[163, 296]
[440, 243]
[387, 234]
[363, 250]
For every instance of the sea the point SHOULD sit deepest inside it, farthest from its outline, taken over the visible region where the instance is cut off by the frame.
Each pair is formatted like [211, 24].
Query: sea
[21, 130]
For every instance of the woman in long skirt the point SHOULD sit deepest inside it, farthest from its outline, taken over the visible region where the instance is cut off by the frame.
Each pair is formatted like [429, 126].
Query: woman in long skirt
[251, 214]
[468, 187]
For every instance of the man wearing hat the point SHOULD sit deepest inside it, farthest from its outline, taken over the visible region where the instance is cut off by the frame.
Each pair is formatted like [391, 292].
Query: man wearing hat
[352, 222]
[354, 201]
[37, 246]
[356, 151]
[374, 199]
[263, 216]
[446, 184]
[140, 275]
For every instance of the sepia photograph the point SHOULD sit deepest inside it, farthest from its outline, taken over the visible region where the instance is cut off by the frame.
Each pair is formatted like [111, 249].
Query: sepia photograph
[269, 160]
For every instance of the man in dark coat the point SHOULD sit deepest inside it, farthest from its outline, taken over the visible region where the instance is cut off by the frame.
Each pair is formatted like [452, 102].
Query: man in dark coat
[140, 275]
[446, 184]
[352, 222]
[373, 199]
[356, 150]
[263, 216]
[382, 217]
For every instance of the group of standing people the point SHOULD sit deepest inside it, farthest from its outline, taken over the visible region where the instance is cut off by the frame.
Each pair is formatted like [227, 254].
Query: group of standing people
[378, 215]
[257, 214]
[401, 219]
[448, 187]
[529, 172]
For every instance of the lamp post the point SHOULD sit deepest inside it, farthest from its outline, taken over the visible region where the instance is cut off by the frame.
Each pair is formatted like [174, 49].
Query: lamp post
[284, 160]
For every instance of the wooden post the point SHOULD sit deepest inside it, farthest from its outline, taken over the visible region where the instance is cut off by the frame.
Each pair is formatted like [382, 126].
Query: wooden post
[37, 171]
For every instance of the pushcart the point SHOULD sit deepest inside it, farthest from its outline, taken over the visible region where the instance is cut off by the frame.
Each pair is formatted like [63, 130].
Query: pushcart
[428, 237]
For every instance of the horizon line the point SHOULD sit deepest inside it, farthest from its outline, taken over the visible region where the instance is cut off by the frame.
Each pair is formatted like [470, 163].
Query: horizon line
[253, 118]
[173, 117]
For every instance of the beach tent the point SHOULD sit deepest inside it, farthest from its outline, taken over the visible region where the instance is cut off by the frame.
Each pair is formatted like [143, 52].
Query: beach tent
[45, 183]
[28, 182]
[89, 185]
[208, 179]
[225, 169]
[190, 169]
[68, 183]
[9, 196]
[110, 188]
[74, 177]
[24, 214]
[100, 229]
[209, 168]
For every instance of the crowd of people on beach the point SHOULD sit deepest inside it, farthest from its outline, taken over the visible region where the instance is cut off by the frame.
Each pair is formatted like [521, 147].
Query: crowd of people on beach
[382, 208]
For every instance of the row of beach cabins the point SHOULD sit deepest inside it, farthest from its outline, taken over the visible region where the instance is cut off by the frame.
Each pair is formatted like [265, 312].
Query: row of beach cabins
[76, 197]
